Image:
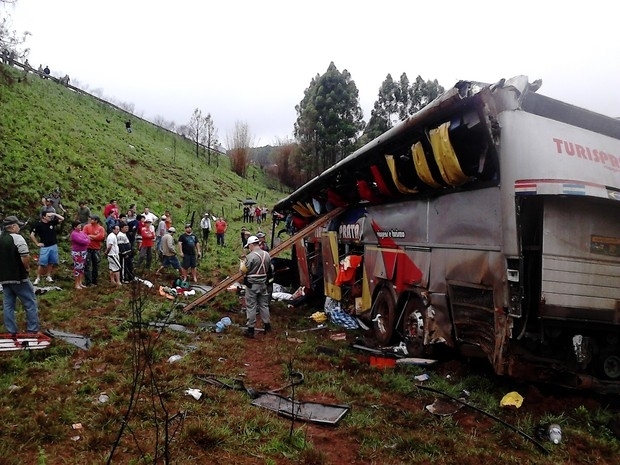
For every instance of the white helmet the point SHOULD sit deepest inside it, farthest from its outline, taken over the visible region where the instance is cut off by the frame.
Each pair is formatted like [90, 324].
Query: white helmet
[252, 240]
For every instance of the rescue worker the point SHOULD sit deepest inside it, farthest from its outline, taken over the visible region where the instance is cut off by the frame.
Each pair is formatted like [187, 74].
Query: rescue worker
[255, 268]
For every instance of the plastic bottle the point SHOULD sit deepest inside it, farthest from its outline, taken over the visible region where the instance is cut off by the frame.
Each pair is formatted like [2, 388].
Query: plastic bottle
[221, 325]
[555, 433]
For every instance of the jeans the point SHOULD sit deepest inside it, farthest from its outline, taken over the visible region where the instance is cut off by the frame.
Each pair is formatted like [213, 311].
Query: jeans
[220, 239]
[91, 271]
[24, 292]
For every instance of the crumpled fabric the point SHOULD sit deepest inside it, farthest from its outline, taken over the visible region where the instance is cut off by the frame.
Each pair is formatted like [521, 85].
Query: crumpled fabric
[513, 399]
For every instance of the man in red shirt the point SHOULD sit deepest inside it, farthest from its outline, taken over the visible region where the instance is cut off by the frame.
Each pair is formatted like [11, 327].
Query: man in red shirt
[148, 241]
[220, 229]
[111, 208]
[97, 235]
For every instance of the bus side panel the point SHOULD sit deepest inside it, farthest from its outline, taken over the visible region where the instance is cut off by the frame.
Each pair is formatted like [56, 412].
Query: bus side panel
[581, 260]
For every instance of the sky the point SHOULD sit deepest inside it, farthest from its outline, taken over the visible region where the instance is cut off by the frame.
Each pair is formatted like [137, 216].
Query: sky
[250, 61]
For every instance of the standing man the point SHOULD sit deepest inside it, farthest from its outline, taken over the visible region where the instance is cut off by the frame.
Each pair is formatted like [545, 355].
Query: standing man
[262, 241]
[147, 233]
[189, 249]
[125, 253]
[112, 252]
[48, 254]
[83, 213]
[256, 267]
[162, 228]
[148, 214]
[96, 233]
[220, 230]
[14, 266]
[205, 225]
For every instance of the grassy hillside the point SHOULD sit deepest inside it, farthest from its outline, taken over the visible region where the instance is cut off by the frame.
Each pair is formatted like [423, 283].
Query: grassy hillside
[51, 136]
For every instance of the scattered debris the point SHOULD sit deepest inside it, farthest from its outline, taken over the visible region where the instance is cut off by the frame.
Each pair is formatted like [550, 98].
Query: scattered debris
[319, 317]
[382, 362]
[76, 426]
[518, 431]
[43, 290]
[9, 342]
[148, 284]
[175, 358]
[103, 398]
[338, 337]
[172, 326]
[83, 342]
[318, 328]
[415, 361]
[443, 408]
[326, 350]
[294, 339]
[305, 411]
[512, 399]
[422, 377]
[195, 393]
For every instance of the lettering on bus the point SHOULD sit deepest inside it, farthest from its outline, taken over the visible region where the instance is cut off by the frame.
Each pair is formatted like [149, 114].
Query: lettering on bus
[391, 233]
[350, 231]
[572, 149]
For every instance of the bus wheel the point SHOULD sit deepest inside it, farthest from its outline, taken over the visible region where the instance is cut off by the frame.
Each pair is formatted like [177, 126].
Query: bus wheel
[384, 316]
[413, 327]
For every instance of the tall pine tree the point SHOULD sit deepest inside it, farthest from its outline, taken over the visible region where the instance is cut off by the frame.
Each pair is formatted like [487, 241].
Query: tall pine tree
[329, 119]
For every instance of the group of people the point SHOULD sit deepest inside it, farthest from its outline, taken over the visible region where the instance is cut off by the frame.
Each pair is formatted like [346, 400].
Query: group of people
[119, 236]
[253, 213]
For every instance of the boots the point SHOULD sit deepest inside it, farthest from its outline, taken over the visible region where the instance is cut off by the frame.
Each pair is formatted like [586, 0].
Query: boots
[249, 332]
[267, 328]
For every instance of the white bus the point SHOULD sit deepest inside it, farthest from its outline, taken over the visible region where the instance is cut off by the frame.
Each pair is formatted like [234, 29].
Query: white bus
[488, 222]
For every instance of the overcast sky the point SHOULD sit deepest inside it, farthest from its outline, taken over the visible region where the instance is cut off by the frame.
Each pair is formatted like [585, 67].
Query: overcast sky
[251, 61]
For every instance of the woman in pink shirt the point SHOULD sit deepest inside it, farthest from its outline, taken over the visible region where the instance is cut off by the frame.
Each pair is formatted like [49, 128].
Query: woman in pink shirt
[79, 243]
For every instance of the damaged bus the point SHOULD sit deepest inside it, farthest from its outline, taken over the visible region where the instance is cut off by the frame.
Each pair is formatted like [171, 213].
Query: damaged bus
[487, 222]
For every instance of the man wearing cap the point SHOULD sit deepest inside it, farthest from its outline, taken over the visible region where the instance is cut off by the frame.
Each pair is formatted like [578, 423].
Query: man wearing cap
[14, 266]
[189, 249]
[169, 252]
[147, 232]
[262, 241]
[48, 253]
[162, 228]
[255, 267]
[97, 235]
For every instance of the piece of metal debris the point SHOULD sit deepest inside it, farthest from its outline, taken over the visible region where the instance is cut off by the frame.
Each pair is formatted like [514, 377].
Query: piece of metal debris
[172, 326]
[83, 342]
[313, 412]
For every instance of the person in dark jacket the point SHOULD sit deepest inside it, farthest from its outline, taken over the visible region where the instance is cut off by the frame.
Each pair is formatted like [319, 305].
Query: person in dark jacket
[14, 267]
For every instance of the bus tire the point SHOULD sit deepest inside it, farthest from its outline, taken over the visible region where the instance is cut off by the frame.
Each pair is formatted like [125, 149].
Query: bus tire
[384, 316]
[413, 327]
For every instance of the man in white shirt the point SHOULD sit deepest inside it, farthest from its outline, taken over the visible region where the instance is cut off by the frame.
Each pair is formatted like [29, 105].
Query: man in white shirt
[205, 225]
[112, 251]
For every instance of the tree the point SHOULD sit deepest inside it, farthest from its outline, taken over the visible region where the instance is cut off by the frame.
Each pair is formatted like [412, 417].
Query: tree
[10, 40]
[239, 143]
[329, 119]
[210, 136]
[422, 93]
[197, 130]
[398, 101]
